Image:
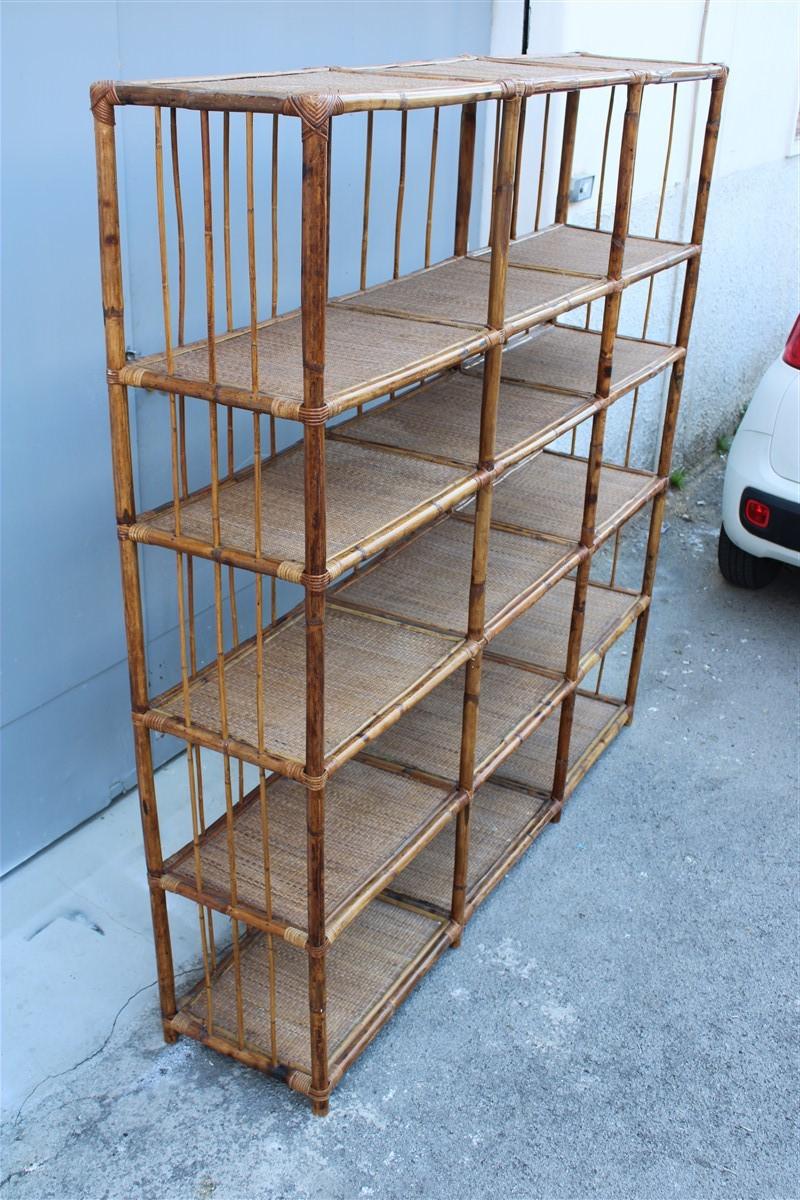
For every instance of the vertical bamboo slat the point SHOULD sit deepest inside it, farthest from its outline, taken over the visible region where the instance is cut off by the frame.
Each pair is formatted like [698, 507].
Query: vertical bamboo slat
[567, 154]
[367, 192]
[542, 162]
[401, 191]
[466, 168]
[204, 915]
[431, 187]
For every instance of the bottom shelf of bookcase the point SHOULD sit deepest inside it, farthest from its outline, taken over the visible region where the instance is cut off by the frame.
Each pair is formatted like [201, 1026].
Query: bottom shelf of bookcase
[370, 969]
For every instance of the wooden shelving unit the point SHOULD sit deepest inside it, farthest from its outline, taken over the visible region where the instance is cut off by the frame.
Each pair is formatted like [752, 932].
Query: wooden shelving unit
[426, 458]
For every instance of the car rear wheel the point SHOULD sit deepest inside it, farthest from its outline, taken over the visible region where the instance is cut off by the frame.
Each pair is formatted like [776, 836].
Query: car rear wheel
[743, 569]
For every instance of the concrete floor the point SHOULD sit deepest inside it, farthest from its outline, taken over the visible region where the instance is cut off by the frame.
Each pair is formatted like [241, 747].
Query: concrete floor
[620, 1021]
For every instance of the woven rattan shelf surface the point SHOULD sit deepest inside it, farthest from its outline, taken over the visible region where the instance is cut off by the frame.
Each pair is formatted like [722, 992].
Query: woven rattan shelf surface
[539, 636]
[427, 581]
[395, 333]
[442, 420]
[587, 70]
[370, 817]
[371, 664]
[458, 291]
[501, 815]
[367, 492]
[582, 252]
[428, 737]
[546, 496]
[403, 85]
[367, 962]
[366, 355]
[498, 817]
[532, 764]
[558, 356]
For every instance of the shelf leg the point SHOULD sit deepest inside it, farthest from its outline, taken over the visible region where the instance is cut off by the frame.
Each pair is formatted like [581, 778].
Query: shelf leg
[316, 131]
[111, 275]
[500, 233]
[608, 335]
[676, 377]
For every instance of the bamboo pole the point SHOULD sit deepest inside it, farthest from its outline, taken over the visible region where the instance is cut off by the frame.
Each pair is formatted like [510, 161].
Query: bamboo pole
[205, 917]
[567, 154]
[315, 218]
[645, 325]
[676, 377]
[401, 191]
[500, 232]
[542, 162]
[611, 309]
[259, 579]
[466, 167]
[113, 315]
[518, 167]
[431, 187]
[367, 193]
[208, 228]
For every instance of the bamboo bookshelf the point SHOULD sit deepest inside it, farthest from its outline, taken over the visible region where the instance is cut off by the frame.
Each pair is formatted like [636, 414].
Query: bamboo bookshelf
[387, 501]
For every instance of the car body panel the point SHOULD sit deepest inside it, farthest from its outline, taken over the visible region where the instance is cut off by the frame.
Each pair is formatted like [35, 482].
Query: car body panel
[784, 452]
[762, 411]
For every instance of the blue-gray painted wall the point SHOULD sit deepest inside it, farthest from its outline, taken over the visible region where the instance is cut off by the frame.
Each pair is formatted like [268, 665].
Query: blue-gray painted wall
[66, 745]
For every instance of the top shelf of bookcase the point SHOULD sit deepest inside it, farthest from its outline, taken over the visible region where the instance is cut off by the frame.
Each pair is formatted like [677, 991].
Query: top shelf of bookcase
[406, 85]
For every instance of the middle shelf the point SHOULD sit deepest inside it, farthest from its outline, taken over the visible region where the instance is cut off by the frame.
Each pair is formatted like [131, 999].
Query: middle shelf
[381, 663]
[394, 334]
[399, 819]
[374, 497]
[389, 816]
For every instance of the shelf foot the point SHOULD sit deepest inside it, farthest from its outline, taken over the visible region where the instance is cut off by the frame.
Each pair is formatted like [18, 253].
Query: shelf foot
[320, 1108]
[170, 1035]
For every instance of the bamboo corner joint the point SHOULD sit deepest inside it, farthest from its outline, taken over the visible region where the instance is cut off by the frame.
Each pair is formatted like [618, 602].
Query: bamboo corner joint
[365, 764]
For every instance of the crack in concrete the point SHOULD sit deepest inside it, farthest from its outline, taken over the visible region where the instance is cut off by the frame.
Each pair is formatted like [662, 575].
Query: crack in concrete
[95, 1053]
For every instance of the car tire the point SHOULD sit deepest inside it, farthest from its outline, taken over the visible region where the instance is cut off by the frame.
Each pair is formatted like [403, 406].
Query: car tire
[742, 569]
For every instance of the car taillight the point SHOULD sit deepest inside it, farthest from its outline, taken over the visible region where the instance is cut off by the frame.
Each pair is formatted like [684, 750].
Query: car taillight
[757, 513]
[791, 354]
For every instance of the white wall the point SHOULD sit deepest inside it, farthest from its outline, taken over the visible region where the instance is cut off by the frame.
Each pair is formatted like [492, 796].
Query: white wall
[748, 294]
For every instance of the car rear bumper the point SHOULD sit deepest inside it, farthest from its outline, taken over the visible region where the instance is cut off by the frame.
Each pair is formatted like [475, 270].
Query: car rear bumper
[783, 526]
[749, 474]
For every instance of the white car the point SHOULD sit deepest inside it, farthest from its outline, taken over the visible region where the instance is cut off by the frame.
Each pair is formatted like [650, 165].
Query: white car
[761, 496]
